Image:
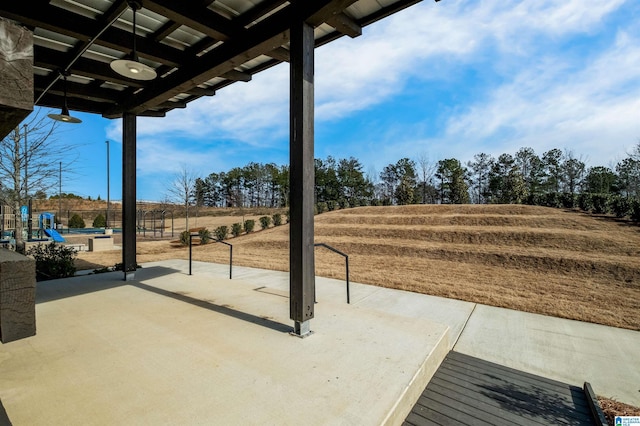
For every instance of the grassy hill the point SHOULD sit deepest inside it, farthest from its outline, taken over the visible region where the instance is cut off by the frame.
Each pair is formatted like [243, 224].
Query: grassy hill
[536, 259]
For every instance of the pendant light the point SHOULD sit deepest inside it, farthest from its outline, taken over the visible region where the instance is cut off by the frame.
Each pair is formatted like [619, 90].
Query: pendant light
[132, 67]
[64, 115]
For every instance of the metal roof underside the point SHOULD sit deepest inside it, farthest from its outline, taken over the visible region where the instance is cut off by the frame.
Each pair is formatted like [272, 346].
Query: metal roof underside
[196, 47]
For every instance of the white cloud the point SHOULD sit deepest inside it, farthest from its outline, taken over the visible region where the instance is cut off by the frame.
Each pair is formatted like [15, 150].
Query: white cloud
[547, 107]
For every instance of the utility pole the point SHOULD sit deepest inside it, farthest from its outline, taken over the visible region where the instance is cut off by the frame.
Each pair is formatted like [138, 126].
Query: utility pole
[26, 183]
[26, 162]
[108, 200]
[60, 195]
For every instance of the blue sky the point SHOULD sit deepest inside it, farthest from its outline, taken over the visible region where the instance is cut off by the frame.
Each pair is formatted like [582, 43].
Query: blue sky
[437, 80]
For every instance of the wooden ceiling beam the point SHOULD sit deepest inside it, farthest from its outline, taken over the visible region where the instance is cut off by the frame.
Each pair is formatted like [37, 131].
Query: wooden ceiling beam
[165, 31]
[77, 90]
[51, 59]
[279, 53]
[199, 91]
[261, 38]
[258, 11]
[197, 17]
[345, 25]
[236, 75]
[52, 100]
[70, 24]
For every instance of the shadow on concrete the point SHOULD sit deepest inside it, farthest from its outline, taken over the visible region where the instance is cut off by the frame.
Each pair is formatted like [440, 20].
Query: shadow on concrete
[4, 419]
[48, 291]
[224, 310]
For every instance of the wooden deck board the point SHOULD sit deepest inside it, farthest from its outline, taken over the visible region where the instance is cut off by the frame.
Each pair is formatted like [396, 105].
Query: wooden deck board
[468, 390]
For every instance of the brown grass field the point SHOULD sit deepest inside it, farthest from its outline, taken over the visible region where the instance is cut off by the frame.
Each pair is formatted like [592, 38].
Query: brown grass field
[535, 259]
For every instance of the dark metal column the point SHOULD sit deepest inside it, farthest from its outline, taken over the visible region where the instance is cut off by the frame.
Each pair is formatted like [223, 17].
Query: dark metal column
[301, 175]
[129, 195]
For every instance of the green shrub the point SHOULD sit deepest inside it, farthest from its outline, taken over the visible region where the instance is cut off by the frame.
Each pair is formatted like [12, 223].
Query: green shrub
[205, 236]
[585, 202]
[236, 229]
[76, 222]
[277, 219]
[221, 232]
[569, 201]
[321, 207]
[249, 224]
[635, 210]
[184, 238]
[621, 206]
[601, 203]
[53, 261]
[99, 221]
[265, 221]
[331, 205]
[552, 199]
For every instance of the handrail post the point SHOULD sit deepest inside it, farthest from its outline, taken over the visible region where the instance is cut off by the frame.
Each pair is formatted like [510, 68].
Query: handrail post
[346, 262]
[230, 261]
[190, 244]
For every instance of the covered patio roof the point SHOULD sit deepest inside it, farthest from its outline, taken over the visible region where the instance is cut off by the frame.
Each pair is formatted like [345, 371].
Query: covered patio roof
[192, 49]
[196, 47]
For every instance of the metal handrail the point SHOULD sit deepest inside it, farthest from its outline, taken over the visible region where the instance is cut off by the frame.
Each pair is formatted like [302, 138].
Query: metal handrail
[191, 235]
[346, 263]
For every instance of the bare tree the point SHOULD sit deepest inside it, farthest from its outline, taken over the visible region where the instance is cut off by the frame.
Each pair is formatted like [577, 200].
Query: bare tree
[427, 170]
[182, 190]
[31, 158]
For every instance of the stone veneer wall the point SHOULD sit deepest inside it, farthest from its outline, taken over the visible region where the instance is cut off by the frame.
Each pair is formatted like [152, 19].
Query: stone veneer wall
[16, 75]
[17, 296]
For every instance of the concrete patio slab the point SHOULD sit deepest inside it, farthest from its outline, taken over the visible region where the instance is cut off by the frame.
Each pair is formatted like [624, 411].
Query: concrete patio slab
[170, 348]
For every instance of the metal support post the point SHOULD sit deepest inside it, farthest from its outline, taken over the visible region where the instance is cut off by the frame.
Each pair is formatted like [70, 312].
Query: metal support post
[129, 195]
[302, 262]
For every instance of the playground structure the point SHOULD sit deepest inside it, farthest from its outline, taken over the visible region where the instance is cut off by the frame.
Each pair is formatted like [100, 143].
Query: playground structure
[46, 223]
[11, 223]
[40, 226]
[154, 218]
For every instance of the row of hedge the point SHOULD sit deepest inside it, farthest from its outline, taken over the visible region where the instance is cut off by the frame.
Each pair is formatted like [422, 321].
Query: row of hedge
[615, 204]
[222, 232]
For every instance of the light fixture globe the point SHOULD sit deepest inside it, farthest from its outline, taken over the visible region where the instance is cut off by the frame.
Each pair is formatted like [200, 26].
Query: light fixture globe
[133, 69]
[64, 117]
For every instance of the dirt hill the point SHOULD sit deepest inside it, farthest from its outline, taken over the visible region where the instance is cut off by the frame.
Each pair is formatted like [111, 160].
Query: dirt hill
[536, 259]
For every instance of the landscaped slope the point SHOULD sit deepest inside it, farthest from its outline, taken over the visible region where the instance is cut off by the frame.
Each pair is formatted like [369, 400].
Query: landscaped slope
[535, 259]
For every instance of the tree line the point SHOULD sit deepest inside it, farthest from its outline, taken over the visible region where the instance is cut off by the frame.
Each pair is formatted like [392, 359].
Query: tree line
[555, 178]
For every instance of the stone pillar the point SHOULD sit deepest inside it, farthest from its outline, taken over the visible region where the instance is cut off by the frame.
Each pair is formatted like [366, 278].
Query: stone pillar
[17, 296]
[16, 75]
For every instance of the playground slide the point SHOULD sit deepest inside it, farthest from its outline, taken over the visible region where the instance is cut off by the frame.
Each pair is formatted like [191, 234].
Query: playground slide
[54, 234]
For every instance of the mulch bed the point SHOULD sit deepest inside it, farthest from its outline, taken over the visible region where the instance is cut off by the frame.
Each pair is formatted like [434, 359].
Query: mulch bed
[614, 408]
